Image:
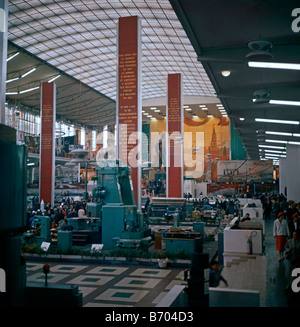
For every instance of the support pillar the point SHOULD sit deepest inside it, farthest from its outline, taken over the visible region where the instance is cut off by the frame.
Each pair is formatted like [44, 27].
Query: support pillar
[129, 113]
[174, 144]
[47, 146]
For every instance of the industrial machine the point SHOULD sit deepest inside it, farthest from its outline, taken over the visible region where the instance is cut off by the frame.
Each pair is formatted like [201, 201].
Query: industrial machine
[12, 216]
[122, 224]
[39, 231]
[162, 209]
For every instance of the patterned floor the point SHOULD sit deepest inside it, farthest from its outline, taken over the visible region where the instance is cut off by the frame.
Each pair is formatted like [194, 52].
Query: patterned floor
[111, 286]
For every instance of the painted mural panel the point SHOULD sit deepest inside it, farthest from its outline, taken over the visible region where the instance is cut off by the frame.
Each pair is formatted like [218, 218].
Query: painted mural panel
[247, 171]
[206, 141]
[215, 144]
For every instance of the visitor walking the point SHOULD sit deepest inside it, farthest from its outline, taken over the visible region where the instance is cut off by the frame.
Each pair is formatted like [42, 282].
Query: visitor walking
[280, 233]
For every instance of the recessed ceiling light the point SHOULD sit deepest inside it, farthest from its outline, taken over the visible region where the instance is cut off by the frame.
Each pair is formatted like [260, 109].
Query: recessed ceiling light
[226, 73]
[241, 118]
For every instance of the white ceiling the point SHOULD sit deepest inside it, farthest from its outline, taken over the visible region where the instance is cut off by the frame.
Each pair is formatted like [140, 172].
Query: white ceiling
[79, 38]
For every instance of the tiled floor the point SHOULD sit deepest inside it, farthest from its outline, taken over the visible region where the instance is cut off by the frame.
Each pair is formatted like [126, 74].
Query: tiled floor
[111, 285]
[248, 275]
[138, 286]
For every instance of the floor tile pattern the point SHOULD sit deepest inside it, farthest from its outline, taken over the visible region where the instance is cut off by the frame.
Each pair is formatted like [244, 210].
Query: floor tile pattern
[108, 286]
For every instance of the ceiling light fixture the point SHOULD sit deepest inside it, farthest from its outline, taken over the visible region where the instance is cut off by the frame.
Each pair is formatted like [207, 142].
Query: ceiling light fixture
[273, 158]
[274, 65]
[226, 73]
[13, 56]
[54, 78]
[271, 147]
[276, 141]
[12, 80]
[241, 118]
[273, 151]
[279, 133]
[263, 120]
[285, 102]
[29, 72]
[260, 50]
[11, 93]
[29, 90]
[261, 96]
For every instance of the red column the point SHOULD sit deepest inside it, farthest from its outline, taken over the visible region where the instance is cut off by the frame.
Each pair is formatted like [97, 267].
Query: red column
[175, 137]
[129, 97]
[47, 143]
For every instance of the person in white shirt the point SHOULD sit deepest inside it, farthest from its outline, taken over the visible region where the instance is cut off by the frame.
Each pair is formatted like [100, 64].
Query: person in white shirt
[81, 212]
[280, 233]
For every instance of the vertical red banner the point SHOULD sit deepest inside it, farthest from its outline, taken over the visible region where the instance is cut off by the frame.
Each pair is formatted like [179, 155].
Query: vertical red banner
[175, 137]
[129, 98]
[47, 142]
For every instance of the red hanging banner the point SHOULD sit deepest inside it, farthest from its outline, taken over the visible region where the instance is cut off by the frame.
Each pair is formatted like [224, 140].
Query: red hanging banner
[128, 108]
[175, 137]
[47, 143]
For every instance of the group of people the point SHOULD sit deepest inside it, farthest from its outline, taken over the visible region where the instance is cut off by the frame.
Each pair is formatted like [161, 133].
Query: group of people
[286, 231]
[67, 208]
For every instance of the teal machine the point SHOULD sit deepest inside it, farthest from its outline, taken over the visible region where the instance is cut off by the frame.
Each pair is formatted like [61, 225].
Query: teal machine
[12, 217]
[18, 292]
[122, 223]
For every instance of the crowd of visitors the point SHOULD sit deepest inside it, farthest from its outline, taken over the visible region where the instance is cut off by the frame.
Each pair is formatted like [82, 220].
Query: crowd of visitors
[67, 207]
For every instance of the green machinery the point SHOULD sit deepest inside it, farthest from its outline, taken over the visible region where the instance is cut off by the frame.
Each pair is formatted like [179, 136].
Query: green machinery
[41, 231]
[12, 216]
[122, 222]
[18, 291]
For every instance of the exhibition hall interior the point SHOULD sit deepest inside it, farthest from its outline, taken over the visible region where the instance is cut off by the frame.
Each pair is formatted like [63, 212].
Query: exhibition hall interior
[150, 154]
